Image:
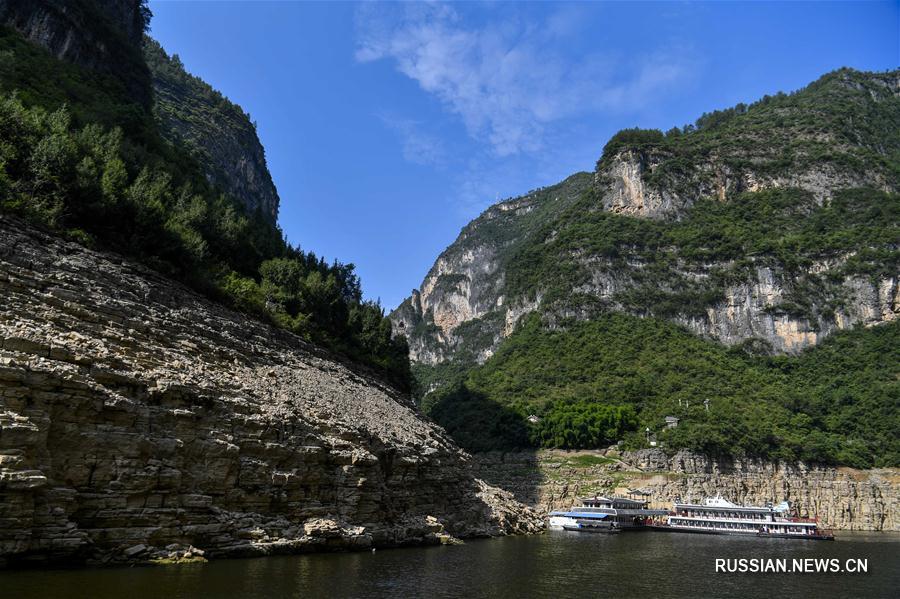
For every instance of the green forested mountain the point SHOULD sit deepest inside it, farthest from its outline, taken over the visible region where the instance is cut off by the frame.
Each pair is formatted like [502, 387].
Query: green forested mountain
[750, 259]
[593, 383]
[747, 263]
[82, 154]
[218, 133]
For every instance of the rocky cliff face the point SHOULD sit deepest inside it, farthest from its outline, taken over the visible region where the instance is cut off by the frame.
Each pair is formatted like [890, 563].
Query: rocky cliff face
[663, 180]
[137, 417]
[462, 307]
[747, 311]
[107, 36]
[467, 305]
[433, 318]
[102, 35]
[623, 182]
[218, 133]
[842, 498]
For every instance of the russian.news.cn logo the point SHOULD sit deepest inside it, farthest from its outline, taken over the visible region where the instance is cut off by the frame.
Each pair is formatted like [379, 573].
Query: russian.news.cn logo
[810, 565]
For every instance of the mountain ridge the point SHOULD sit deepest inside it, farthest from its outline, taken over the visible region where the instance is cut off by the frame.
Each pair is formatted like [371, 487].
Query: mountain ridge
[765, 228]
[625, 184]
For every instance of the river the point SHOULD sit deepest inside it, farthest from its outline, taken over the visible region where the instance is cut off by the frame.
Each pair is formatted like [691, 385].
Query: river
[556, 564]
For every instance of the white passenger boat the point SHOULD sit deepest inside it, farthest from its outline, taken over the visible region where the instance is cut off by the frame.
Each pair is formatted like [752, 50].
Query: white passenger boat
[596, 514]
[721, 517]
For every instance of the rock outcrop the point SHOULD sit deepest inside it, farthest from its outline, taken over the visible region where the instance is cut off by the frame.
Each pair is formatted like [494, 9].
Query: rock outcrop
[101, 35]
[140, 421]
[218, 133]
[842, 498]
[495, 271]
[624, 189]
[462, 307]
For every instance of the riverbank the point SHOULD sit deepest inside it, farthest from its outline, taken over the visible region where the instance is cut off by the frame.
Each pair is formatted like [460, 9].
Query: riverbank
[842, 498]
[139, 420]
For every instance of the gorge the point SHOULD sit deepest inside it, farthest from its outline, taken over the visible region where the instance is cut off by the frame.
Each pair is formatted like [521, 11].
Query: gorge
[180, 383]
[720, 273]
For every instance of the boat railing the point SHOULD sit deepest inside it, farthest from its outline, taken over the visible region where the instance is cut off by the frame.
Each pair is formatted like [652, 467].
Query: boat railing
[792, 519]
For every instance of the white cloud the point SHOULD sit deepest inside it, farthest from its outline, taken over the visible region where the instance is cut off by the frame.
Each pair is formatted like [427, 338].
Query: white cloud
[418, 145]
[508, 81]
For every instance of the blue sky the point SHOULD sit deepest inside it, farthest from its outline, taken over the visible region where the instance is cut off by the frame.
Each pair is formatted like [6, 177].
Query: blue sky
[388, 127]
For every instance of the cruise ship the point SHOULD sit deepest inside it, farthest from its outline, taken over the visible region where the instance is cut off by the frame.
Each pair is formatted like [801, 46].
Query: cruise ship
[606, 514]
[721, 517]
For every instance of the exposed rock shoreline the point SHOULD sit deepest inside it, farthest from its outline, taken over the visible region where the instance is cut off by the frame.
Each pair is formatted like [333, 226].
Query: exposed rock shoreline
[138, 419]
[842, 498]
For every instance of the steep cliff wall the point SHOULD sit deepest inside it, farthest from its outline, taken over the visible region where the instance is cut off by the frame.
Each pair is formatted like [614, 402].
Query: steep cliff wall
[456, 294]
[540, 253]
[103, 35]
[463, 308]
[136, 415]
[842, 498]
[800, 141]
[107, 36]
[218, 133]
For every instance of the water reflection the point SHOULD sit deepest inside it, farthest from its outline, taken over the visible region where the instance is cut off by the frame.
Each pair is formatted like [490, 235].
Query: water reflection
[641, 564]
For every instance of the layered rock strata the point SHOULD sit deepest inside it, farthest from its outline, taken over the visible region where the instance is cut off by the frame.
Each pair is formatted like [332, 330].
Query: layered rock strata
[842, 498]
[136, 418]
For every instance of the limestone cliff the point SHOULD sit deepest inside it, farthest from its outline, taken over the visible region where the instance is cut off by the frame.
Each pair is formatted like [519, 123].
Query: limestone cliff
[462, 307]
[661, 180]
[218, 133]
[453, 295]
[102, 35]
[137, 416]
[842, 498]
[538, 253]
[107, 36]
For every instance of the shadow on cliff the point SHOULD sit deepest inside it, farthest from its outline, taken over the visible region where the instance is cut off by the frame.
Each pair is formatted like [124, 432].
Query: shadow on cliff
[497, 436]
[477, 423]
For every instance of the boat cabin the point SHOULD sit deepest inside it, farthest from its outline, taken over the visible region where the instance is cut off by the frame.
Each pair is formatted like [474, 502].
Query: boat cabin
[620, 512]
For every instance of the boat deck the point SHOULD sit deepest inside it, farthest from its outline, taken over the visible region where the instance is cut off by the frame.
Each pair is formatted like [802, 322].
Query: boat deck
[823, 536]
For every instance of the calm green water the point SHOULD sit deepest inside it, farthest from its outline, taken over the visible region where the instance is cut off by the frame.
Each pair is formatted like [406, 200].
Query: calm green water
[557, 564]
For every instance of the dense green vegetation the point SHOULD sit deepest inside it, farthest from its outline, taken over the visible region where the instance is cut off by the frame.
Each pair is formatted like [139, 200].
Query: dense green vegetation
[845, 119]
[784, 228]
[576, 374]
[90, 96]
[593, 383]
[217, 133]
[80, 156]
